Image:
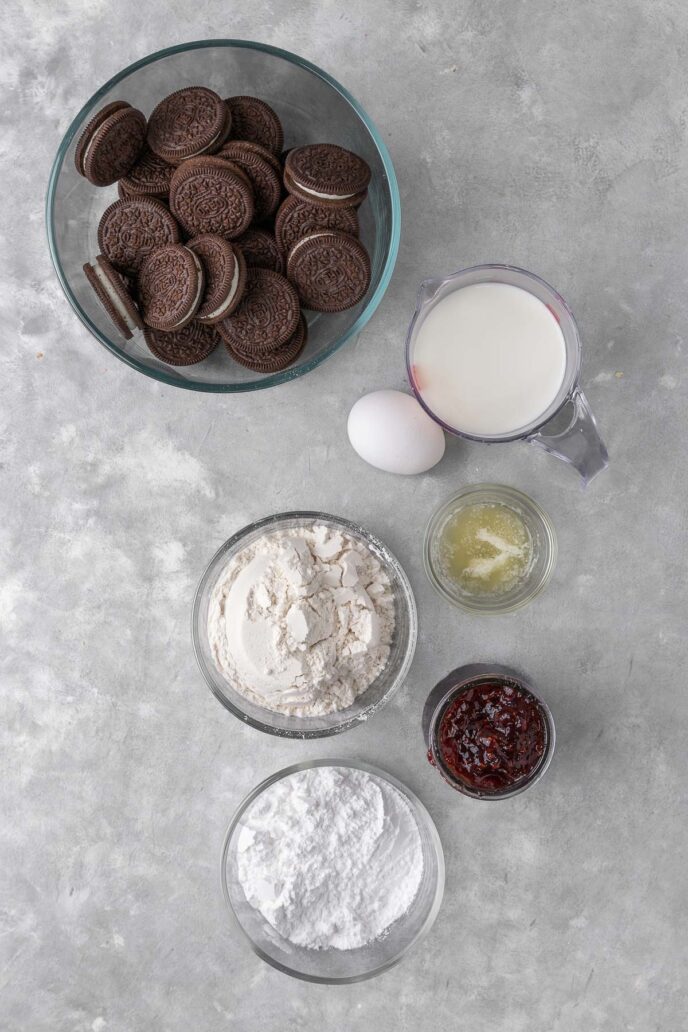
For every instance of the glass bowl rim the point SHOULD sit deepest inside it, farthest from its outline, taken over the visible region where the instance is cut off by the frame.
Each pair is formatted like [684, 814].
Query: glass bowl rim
[273, 379]
[356, 529]
[420, 813]
[505, 492]
[502, 674]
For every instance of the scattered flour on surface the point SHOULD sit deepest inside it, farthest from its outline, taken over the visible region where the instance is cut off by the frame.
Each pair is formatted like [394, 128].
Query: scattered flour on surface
[330, 856]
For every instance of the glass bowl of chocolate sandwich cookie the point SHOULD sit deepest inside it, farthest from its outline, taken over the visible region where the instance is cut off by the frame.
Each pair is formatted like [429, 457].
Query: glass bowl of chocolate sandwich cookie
[304, 624]
[223, 216]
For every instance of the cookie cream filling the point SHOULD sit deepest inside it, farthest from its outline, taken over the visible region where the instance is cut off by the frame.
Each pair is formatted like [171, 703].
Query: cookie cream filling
[305, 239]
[88, 149]
[216, 141]
[325, 196]
[199, 294]
[89, 146]
[114, 297]
[222, 308]
[301, 621]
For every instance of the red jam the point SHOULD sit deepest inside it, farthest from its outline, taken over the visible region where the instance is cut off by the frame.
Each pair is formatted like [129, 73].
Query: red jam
[492, 736]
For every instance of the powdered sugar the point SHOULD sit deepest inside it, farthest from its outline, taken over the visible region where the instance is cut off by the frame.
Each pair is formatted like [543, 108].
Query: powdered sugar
[301, 620]
[330, 856]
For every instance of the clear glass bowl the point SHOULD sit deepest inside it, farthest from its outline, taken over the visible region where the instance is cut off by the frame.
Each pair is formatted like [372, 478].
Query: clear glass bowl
[372, 699]
[444, 694]
[313, 108]
[338, 966]
[542, 564]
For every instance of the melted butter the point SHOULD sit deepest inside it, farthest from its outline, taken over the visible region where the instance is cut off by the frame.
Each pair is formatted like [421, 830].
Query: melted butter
[486, 548]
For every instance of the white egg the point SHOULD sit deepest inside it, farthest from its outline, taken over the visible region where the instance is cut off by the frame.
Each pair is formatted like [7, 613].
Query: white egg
[391, 431]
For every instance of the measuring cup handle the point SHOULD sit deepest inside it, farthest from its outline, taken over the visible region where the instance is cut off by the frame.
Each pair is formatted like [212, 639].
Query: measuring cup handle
[572, 435]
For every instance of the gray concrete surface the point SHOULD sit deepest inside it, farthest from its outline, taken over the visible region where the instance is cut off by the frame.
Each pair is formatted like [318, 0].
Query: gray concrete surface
[545, 133]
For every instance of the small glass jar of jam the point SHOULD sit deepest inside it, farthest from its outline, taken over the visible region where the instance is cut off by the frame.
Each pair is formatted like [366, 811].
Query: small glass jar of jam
[489, 734]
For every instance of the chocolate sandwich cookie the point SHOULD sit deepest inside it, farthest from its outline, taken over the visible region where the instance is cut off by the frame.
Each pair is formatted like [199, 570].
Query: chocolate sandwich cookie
[210, 195]
[324, 173]
[113, 293]
[254, 120]
[280, 358]
[266, 317]
[330, 270]
[182, 347]
[260, 249]
[130, 230]
[189, 122]
[111, 143]
[263, 171]
[296, 219]
[150, 177]
[170, 286]
[225, 276]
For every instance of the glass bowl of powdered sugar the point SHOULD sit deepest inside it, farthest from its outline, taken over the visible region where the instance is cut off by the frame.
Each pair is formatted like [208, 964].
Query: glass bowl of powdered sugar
[333, 870]
[304, 624]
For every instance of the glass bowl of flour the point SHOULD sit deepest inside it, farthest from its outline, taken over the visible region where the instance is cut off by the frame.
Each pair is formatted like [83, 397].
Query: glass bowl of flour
[333, 870]
[304, 624]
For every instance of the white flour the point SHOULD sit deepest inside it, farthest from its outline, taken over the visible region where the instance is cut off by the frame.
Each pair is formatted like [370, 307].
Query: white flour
[331, 857]
[301, 621]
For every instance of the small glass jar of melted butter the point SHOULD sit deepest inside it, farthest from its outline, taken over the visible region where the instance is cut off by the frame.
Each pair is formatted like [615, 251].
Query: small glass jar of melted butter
[490, 549]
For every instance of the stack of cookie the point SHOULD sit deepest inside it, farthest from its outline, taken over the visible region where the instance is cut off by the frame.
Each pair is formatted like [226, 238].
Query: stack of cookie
[219, 235]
